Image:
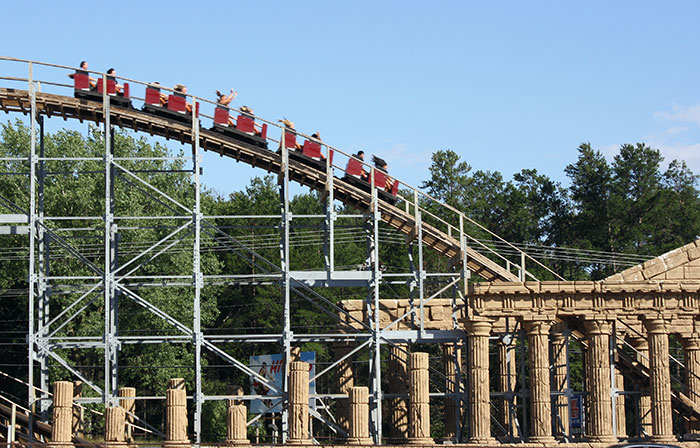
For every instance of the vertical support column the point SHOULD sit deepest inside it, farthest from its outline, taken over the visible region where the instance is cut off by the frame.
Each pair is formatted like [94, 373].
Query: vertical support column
[419, 399]
[507, 382]
[478, 332]
[660, 381]
[236, 419]
[43, 292]
[115, 436]
[61, 434]
[359, 417]
[299, 404]
[346, 381]
[540, 390]
[398, 384]
[641, 345]
[197, 277]
[691, 346]
[452, 363]
[176, 415]
[560, 377]
[129, 405]
[286, 291]
[376, 363]
[599, 401]
[620, 409]
[32, 283]
[110, 304]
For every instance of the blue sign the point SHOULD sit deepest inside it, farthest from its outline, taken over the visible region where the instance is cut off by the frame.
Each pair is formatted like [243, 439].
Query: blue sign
[271, 367]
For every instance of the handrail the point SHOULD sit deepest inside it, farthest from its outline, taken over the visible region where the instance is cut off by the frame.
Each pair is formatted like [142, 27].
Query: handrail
[418, 194]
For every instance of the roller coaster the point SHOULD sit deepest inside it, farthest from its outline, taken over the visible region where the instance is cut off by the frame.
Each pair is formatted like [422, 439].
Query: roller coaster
[423, 221]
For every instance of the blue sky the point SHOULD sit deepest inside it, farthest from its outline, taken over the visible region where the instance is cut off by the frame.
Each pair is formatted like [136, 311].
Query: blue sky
[507, 85]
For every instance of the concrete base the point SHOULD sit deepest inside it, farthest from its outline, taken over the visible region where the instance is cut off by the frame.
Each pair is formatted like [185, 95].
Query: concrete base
[359, 441]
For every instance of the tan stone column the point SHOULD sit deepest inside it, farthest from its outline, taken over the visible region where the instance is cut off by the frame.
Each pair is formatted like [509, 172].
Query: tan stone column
[642, 346]
[115, 422]
[359, 417]
[478, 332]
[236, 420]
[507, 382]
[691, 347]
[345, 382]
[176, 414]
[451, 353]
[419, 399]
[299, 404]
[560, 352]
[398, 384]
[599, 400]
[660, 381]
[61, 430]
[129, 405]
[540, 389]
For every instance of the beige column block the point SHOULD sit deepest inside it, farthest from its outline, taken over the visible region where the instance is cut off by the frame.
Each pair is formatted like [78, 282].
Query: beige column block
[560, 352]
[295, 353]
[452, 363]
[397, 412]
[61, 430]
[345, 382]
[540, 389]
[599, 400]
[129, 405]
[478, 331]
[660, 381]
[115, 422]
[236, 419]
[419, 399]
[359, 417]
[691, 347]
[176, 414]
[299, 404]
[641, 345]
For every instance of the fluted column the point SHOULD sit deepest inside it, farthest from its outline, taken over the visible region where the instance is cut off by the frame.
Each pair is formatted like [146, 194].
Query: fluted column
[419, 399]
[345, 382]
[61, 431]
[176, 414]
[599, 400]
[299, 403]
[641, 345]
[478, 332]
[660, 381]
[451, 354]
[359, 417]
[236, 419]
[115, 435]
[560, 355]
[540, 390]
[507, 384]
[691, 347]
[129, 405]
[398, 384]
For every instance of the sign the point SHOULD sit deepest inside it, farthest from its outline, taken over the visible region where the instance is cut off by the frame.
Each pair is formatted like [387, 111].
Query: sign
[271, 367]
[576, 409]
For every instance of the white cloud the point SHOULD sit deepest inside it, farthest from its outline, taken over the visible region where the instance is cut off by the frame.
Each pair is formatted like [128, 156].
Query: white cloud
[690, 114]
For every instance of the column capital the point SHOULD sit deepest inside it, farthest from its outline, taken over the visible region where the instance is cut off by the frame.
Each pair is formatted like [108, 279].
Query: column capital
[656, 326]
[691, 342]
[598, 327]
[476, 326]
[537, 327]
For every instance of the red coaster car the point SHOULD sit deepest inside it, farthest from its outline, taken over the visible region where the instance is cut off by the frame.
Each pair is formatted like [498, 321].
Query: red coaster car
[244, 129]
